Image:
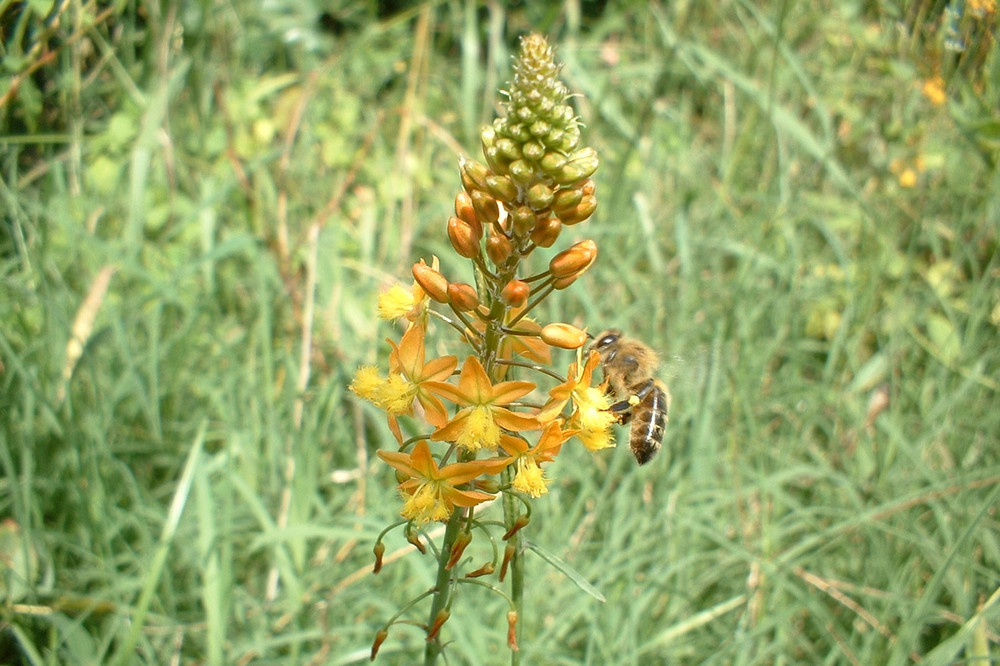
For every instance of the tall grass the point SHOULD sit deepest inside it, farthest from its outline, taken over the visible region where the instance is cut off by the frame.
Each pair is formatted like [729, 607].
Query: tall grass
[785, 212]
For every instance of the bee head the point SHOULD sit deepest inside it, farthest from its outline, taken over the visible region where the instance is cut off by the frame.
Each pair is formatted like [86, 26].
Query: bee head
[605, 340]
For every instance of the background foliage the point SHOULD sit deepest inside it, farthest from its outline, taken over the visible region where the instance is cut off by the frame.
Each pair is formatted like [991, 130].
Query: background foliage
[799, 205]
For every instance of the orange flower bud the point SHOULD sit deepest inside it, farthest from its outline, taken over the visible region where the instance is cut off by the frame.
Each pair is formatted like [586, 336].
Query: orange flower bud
[487, 211]
[498, 248]
[564, 336]
[465, 211]
[463, 296]
[515, 293]
[574, 260]
[439, 621]
[587, 187]
[463, 237]
[581, 212]
[546, 232]
[380, 637]
[379, 552]
[431, 281]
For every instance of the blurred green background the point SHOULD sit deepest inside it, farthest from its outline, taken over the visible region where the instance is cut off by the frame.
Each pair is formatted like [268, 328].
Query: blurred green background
[799, 205]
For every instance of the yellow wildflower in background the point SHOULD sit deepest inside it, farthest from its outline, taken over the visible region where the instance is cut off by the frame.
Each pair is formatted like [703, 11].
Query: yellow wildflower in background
[933, 90]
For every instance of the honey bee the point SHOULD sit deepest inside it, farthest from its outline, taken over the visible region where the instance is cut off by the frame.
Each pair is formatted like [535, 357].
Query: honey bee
[629, 373]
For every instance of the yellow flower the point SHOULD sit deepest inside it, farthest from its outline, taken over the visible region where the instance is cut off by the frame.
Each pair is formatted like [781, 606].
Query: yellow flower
[593, 418]
[396, 302]
[933, 90]
[478, 425]
[980, 8]
[407, 375]
[529, 478]
[430, 491]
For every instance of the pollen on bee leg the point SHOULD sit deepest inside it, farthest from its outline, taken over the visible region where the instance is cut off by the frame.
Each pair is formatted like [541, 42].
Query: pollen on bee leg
[634, 400]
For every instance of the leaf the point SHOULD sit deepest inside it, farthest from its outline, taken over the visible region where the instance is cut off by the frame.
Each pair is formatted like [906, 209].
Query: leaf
[567, 570]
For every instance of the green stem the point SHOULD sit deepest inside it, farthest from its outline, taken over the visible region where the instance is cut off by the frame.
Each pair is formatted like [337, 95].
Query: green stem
[442, 588]
[511, 511]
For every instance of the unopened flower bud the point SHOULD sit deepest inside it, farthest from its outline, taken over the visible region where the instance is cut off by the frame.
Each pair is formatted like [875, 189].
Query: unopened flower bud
[463, 296]
[523, 172]
[439, 621]
[583, 210]
[574, 260]
[465, 211]
[485, 206]
[379, 550]
[532, 150]
[380, 637]
[540, 196]
[582, 164]
[553, 162]
[566, 199]
[463, 237]
[523, 220]
[508, 149]
[498, 248]
[501, 187]
[564, 336]
[515, 293]
[473, 174]
[431, 281]
[546, 232]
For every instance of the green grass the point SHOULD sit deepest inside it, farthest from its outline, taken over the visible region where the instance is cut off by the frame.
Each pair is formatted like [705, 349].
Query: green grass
[203, 491]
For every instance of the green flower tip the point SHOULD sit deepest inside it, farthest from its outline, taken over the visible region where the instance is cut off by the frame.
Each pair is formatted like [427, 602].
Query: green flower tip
[537, 137]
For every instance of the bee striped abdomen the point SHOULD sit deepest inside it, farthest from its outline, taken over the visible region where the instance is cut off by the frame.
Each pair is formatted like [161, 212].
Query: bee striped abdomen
[648, 423]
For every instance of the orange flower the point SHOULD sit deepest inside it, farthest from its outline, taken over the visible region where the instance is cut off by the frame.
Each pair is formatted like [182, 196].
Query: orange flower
[408, 373]
[529, 478]
[478, 425]
[591, 417]
[572, 387]
[407, 359]
[431, 492]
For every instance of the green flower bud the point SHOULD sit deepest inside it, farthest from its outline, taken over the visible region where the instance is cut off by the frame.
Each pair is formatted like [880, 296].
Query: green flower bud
[540, 196]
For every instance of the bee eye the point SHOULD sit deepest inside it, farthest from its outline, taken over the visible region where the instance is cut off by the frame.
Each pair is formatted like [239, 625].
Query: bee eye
[607, 340]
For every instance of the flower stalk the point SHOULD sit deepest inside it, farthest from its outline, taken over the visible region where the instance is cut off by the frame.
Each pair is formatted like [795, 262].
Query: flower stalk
[489, 443]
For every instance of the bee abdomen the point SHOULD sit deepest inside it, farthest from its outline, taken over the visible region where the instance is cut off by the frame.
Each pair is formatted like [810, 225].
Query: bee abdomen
[648, 424]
